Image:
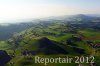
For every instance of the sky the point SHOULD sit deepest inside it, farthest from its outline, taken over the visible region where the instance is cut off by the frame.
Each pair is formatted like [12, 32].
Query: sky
[12, 10]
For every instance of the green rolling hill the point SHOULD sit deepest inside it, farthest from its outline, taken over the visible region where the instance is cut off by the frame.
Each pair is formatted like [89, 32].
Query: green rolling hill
[53, 38]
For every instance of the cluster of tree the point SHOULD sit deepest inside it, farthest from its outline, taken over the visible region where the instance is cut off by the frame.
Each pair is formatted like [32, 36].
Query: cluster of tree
[49, 33]
[93, 44]
[71, 41]
[4, 58]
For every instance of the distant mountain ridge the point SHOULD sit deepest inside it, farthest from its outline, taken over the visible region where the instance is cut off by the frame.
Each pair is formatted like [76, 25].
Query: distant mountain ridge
[7, 30]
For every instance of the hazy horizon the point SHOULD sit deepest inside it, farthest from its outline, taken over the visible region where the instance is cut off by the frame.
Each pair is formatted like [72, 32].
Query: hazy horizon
[12, 10]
